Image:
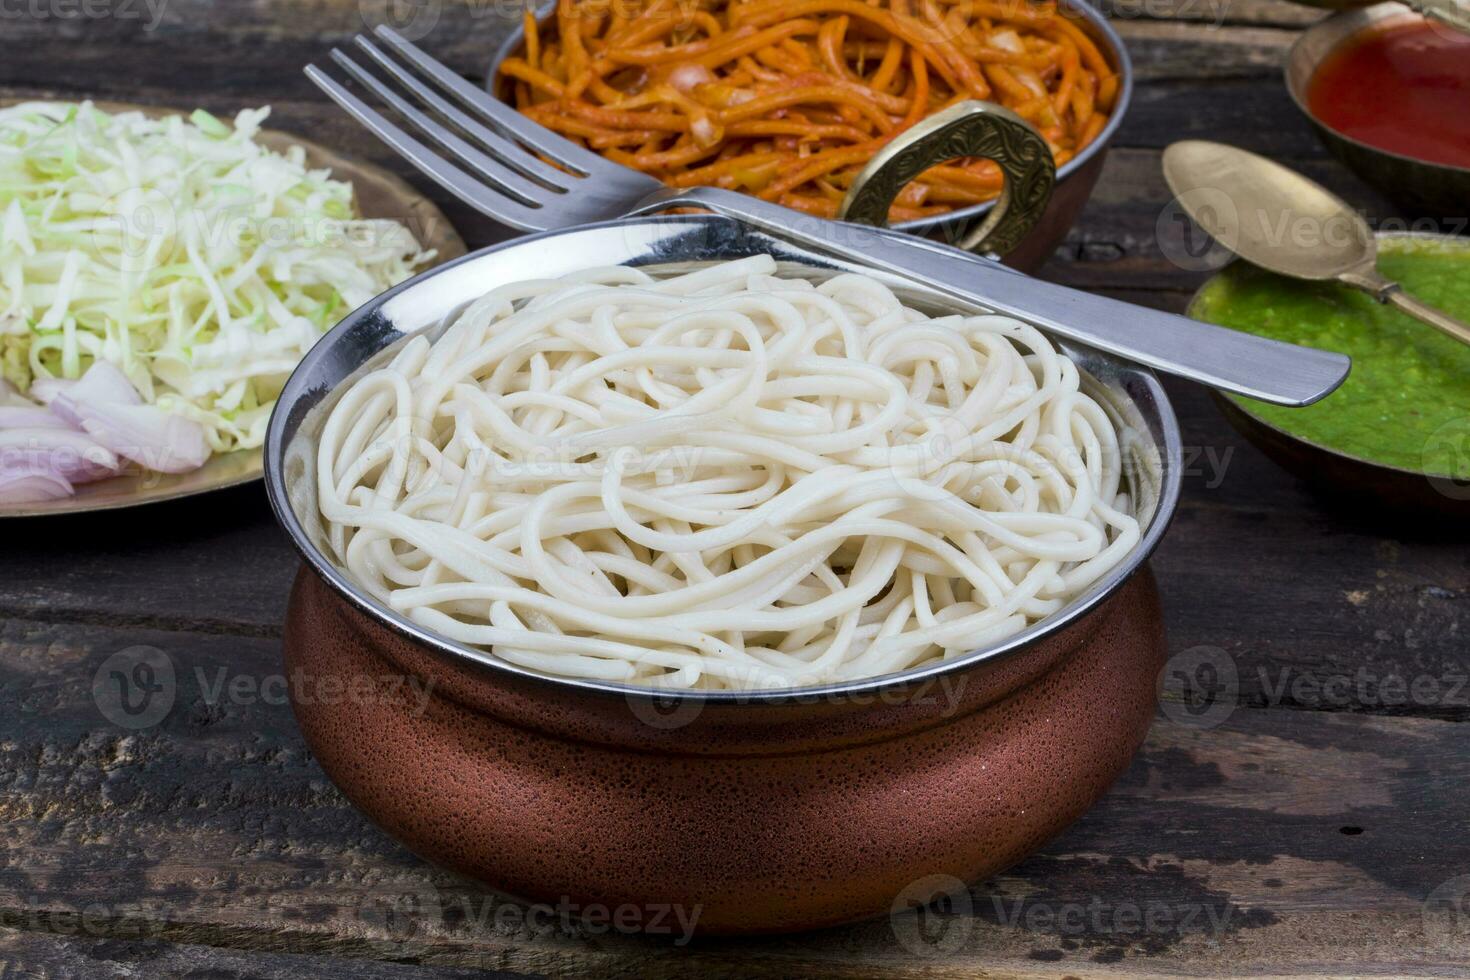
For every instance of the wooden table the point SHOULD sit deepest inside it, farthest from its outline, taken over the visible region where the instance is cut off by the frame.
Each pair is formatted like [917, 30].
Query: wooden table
[1319, 827]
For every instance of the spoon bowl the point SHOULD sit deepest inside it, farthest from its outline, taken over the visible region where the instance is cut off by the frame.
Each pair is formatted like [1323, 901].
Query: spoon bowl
[1275, 218]
[1268, 214]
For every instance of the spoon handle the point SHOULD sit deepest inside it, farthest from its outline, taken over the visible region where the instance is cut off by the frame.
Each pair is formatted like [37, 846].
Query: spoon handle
[1385, 290]
[1424, 313]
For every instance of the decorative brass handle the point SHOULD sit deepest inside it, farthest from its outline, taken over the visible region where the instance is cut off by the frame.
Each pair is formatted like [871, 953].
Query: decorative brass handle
[967, 129]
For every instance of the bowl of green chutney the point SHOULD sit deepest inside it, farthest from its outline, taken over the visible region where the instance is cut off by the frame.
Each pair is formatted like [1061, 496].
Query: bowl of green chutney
[1397, 433]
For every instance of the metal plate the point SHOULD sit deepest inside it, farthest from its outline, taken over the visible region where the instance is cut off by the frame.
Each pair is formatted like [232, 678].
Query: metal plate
[379, 194]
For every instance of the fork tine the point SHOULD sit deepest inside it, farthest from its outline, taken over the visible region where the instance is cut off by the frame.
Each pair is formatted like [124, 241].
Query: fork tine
[504, 179]
[532, 133]
[468, 189]
[507, 152]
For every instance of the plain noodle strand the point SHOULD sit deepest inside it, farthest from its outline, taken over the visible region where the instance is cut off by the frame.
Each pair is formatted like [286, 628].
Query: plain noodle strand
[723, 480]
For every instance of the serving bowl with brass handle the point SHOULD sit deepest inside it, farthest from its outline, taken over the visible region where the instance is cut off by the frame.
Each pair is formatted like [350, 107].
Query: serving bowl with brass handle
[1039, 202]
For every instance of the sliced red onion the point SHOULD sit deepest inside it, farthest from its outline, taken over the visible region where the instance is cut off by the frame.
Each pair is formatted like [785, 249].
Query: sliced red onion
[16, 417]
[147, 435]
[42, 453]
[44, 390]
[29, 485]
[113, 422]
[65, 452]
[103, 384]
[105, 405]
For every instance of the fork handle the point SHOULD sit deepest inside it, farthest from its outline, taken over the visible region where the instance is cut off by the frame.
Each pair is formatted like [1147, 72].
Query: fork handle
[1227, 359]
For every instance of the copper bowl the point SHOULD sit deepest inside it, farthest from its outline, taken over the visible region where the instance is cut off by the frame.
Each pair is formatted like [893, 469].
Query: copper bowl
[1075, 179]
[1429, 190]
[772, 811]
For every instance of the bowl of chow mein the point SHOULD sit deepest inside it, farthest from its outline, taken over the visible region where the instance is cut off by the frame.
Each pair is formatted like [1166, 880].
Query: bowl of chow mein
[791, 101]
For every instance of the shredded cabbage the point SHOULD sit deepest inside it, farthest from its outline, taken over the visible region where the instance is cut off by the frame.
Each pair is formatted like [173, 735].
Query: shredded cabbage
[200, 263]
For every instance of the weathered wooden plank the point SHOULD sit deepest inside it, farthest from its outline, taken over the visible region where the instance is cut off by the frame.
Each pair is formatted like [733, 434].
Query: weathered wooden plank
[1297, 841]
[1256, 113]
[76, 954]
[207, 564]
[1163, 50]
[1215, 13]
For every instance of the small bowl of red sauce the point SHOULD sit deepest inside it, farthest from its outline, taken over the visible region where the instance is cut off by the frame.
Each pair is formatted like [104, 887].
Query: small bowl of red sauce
[1389, 93]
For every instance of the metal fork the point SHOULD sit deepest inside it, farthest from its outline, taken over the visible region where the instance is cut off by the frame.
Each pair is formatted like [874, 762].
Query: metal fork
[496, 160]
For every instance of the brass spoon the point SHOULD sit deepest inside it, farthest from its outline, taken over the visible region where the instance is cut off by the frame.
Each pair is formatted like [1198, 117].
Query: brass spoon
[1275, 218]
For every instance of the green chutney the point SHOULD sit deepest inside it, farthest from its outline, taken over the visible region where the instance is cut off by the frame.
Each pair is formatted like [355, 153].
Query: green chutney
[1407, 401]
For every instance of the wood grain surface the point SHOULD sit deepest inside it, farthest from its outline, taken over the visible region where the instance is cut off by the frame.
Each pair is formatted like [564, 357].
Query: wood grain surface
[1300, 809]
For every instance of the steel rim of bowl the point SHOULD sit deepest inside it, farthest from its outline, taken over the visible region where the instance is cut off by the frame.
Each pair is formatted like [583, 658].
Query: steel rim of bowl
[1334, 31]
[1168, 446]
[1431, 236]
[1101, 30]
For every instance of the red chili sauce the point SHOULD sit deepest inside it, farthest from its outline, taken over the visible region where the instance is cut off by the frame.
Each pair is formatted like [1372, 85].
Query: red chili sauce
[1403, 88]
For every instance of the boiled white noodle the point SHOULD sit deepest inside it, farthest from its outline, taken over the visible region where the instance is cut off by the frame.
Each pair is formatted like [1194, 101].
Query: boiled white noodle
[722, 480]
